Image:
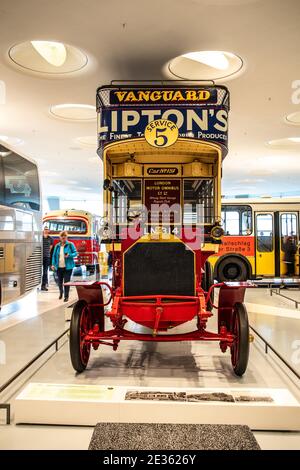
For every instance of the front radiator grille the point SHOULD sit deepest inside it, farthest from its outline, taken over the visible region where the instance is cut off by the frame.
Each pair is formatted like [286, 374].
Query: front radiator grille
[159, 268]
[33, 269]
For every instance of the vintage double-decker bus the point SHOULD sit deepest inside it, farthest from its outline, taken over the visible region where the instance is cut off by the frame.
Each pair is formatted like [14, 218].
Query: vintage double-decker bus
[162, 148]
[83, 230]
[255, 234]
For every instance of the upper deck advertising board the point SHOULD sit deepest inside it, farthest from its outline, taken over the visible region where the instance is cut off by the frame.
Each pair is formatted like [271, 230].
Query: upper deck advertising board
[161, 115]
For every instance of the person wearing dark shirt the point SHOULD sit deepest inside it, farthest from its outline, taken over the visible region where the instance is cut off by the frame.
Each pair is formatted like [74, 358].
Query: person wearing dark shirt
[290, 250]
[47, 248]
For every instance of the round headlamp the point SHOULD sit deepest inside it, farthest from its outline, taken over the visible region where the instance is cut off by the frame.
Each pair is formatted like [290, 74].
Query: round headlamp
[217, 232]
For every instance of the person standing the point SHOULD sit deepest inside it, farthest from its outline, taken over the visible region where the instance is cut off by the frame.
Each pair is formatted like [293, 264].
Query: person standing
[290, 250]
[63, 263]
[47, 247]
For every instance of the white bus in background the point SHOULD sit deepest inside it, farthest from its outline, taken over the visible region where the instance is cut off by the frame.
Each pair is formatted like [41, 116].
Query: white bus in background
[20, 225]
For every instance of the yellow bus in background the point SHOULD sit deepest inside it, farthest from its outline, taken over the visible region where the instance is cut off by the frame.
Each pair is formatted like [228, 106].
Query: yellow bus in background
[254, 234]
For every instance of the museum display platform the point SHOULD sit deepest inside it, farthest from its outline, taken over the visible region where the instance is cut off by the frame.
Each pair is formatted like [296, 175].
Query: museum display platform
[70, 404]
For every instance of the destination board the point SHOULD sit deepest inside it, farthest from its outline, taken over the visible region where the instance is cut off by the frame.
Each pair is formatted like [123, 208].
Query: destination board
[162, 200]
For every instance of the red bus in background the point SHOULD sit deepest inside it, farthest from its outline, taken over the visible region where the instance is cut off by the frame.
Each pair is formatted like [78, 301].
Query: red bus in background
[83, 228]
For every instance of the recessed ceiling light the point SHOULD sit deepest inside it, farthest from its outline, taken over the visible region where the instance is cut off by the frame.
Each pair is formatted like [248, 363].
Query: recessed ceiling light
[87, 141]
[84, 188]
[204, 65]
[293, 118]
[215, 59]
[53, 52]
[48, 58]
[72, 182]
[11, 140]
[73, 112]
[285, 142]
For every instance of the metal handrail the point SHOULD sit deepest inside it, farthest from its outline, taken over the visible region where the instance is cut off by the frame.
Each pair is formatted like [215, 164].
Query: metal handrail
[274, 291]
[268, 346]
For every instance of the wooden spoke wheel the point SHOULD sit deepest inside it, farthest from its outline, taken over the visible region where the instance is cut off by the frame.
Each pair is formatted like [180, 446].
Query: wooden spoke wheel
[240, 346]
[81, 323]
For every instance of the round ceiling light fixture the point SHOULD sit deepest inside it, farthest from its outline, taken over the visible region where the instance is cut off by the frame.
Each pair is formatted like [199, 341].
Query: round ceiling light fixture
[48, 58]
[293, 118]
[73, 112]
[205, 65]
[287, 142]
[87, 141]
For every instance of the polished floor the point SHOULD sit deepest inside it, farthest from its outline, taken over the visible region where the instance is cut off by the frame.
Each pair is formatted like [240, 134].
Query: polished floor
[146, 364]
[23, 340]
[278, 321]
[78, 438]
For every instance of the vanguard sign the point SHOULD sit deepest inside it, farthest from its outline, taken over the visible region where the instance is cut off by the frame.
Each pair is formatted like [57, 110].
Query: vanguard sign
[162, 96]
[201, 120]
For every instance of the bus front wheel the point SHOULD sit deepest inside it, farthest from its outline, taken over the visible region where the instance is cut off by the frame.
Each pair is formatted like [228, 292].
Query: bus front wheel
[232, 268]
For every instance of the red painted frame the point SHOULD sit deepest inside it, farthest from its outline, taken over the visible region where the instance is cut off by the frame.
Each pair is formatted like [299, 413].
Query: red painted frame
[230, 294]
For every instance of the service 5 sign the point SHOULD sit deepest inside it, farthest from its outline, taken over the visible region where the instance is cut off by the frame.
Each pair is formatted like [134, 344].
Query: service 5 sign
[161, 133]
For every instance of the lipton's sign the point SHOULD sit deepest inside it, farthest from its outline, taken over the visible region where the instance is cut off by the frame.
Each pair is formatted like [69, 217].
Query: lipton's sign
[162, 114]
